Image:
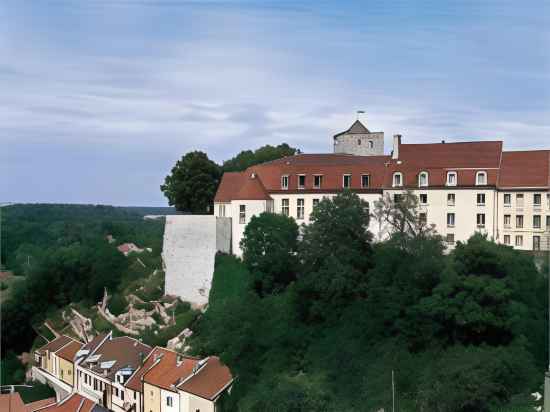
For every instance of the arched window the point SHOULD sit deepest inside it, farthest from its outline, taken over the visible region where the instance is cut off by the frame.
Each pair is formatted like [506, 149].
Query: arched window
[397, 179]
[451, 179]
[371, 144]
[481, 178]
[423, 179]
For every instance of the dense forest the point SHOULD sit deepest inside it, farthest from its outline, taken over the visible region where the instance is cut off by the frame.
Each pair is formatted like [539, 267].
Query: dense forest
[323, 323]
[61, 255]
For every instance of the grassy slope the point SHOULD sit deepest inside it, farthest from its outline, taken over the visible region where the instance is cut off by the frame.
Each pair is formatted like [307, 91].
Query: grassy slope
[230, 279]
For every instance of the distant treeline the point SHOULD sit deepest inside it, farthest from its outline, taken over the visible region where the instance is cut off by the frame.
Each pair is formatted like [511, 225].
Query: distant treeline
[63, 253]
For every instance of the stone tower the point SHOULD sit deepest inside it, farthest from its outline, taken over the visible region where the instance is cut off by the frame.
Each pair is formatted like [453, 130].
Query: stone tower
[358, 140]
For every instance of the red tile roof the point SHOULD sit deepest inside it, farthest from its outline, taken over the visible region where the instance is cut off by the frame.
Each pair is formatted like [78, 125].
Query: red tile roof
[12, 402]
[518, 169]
[134, 382]
[252, 189]
[230, 184]
[167, 372]
[68, 352]
[525, 169]
[34, 406]
[55, 344]
[209, 381]
[125, 351]
[73, 403]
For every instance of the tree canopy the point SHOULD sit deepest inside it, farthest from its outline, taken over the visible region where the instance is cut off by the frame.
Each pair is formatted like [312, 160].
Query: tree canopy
[194, 179]
[462, 330]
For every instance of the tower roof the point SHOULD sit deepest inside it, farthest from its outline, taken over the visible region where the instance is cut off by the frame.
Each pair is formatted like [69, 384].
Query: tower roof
[356, 128]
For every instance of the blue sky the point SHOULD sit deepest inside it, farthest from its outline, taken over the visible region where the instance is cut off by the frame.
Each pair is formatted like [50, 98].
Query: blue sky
[98, 99]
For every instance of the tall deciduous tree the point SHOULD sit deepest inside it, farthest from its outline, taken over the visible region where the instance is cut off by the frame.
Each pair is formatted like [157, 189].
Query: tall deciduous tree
[336, 254]
[400, 214]
[269, 250]
[192, 185]
[248, 158]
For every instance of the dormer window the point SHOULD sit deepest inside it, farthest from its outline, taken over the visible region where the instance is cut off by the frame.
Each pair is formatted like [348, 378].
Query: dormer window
[284, 182]
[451, 179]
[317, 181]
[423, 179]
[481, 178]
[346, 182]
[397, 179]
[301, 181]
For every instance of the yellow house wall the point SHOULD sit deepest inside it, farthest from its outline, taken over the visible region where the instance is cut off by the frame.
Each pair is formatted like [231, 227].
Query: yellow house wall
[66, 371]
[151, 398]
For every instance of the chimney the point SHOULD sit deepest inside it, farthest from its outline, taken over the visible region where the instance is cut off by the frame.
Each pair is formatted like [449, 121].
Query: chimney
[396, 144]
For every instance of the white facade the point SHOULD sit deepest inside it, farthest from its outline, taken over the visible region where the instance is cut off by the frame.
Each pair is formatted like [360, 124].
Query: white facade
[456, 212]
[192, 403]
[169, 401]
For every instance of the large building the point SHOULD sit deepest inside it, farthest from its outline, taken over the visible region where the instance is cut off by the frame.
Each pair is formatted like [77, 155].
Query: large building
[463, 188]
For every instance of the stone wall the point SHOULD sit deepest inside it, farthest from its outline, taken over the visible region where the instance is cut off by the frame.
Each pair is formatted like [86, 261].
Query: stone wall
[358, 144]
[189, 250]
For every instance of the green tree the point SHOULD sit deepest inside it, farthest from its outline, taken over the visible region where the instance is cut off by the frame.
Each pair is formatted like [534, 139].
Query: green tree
[192, 184]
[269, 247]
[400, 214]
[248, 158]
[336, 255]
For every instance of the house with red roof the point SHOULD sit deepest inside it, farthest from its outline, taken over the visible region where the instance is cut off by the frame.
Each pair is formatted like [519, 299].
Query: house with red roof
[463, 187]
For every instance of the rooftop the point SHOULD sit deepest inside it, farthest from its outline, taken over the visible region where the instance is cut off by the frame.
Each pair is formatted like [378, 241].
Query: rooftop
[209, 380]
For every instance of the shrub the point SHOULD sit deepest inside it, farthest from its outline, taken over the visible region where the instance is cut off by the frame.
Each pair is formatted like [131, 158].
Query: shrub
[117, 304]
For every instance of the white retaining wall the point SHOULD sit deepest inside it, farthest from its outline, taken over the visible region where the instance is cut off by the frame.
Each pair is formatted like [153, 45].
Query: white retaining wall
[189, 250]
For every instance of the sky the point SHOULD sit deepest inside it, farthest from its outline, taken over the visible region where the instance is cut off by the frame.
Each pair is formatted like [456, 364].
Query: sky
[99, 99]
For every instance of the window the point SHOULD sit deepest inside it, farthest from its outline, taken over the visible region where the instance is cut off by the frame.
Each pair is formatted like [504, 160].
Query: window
[301, 181]
[519, 240]
[481, 199]
[506, 239]
[346, 182]
[371, 144]
[317, 181]
[481, 178]
[536, 242]
[365, 181]
[450, 239]
[116, 392]
[397, 179]
[519, 200]
[537, 199]
[423, 219]
[423, 179]
[537, 222]
[285, 207]
[315, 202]
[451, 179]
[122, 394]
[451, 199]
[424, 198]
[242, 214]
[284, 182]
[135, 395]
[519, 221]
[300, 209]
[221, 210]
[169, 401]
[481, 220]
[450, 219]
[507, 199]
[270, 207]
[507, 221]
